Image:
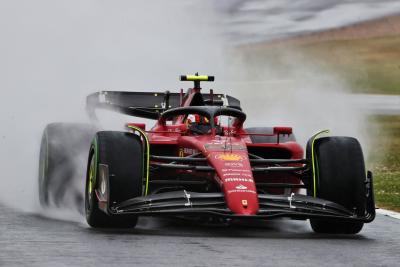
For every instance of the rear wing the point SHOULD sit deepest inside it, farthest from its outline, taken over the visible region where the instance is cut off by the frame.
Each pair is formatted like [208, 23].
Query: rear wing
[147, 105]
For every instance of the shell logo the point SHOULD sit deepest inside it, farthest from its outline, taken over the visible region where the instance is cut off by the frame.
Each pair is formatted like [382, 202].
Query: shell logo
[229, 157]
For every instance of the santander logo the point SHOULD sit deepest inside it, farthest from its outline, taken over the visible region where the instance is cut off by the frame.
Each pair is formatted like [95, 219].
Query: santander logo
[241, 187]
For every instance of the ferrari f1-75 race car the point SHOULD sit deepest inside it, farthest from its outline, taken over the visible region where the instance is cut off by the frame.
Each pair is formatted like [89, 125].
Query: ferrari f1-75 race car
[199, 162]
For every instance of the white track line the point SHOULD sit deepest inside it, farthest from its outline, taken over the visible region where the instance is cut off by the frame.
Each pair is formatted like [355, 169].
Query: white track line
[389, 213]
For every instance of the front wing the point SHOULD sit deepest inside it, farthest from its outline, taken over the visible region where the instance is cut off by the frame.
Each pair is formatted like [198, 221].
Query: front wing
[191, 204]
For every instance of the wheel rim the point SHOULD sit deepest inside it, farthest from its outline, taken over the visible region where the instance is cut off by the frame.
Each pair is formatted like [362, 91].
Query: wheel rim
[91, 181]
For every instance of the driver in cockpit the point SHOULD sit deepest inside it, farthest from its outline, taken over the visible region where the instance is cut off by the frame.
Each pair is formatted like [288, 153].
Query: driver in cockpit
[200, 124]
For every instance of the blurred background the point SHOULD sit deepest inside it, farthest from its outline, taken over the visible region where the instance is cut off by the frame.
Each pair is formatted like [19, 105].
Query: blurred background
[308, 64]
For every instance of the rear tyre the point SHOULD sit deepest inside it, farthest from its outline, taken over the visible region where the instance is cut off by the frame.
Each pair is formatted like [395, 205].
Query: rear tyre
[62, 163]
[268, 139]
[340, 178]
[122, 154]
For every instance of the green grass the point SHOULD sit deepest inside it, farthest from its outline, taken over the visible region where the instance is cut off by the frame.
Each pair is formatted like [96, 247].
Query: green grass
[369, 65]
[385, 160]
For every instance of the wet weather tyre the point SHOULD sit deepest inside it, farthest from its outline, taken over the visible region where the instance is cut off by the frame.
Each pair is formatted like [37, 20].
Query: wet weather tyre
[340, 178]
[121, 154]
[63, 153]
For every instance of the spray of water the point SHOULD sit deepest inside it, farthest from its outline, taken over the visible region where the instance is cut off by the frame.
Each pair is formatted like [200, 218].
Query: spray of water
[55, 53]
[287, 87]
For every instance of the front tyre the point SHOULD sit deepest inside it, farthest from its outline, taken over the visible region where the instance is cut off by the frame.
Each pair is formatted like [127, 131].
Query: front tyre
[339, 177]
[121, 154]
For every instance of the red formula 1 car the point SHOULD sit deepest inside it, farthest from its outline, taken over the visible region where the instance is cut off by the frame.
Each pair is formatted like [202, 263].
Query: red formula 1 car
[199, 162]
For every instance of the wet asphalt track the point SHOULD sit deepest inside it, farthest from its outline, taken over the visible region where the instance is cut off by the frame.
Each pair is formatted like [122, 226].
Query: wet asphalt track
[32, 240]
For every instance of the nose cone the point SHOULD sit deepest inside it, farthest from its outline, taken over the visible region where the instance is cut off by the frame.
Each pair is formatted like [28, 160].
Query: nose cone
[236, 179]
[242, 201]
